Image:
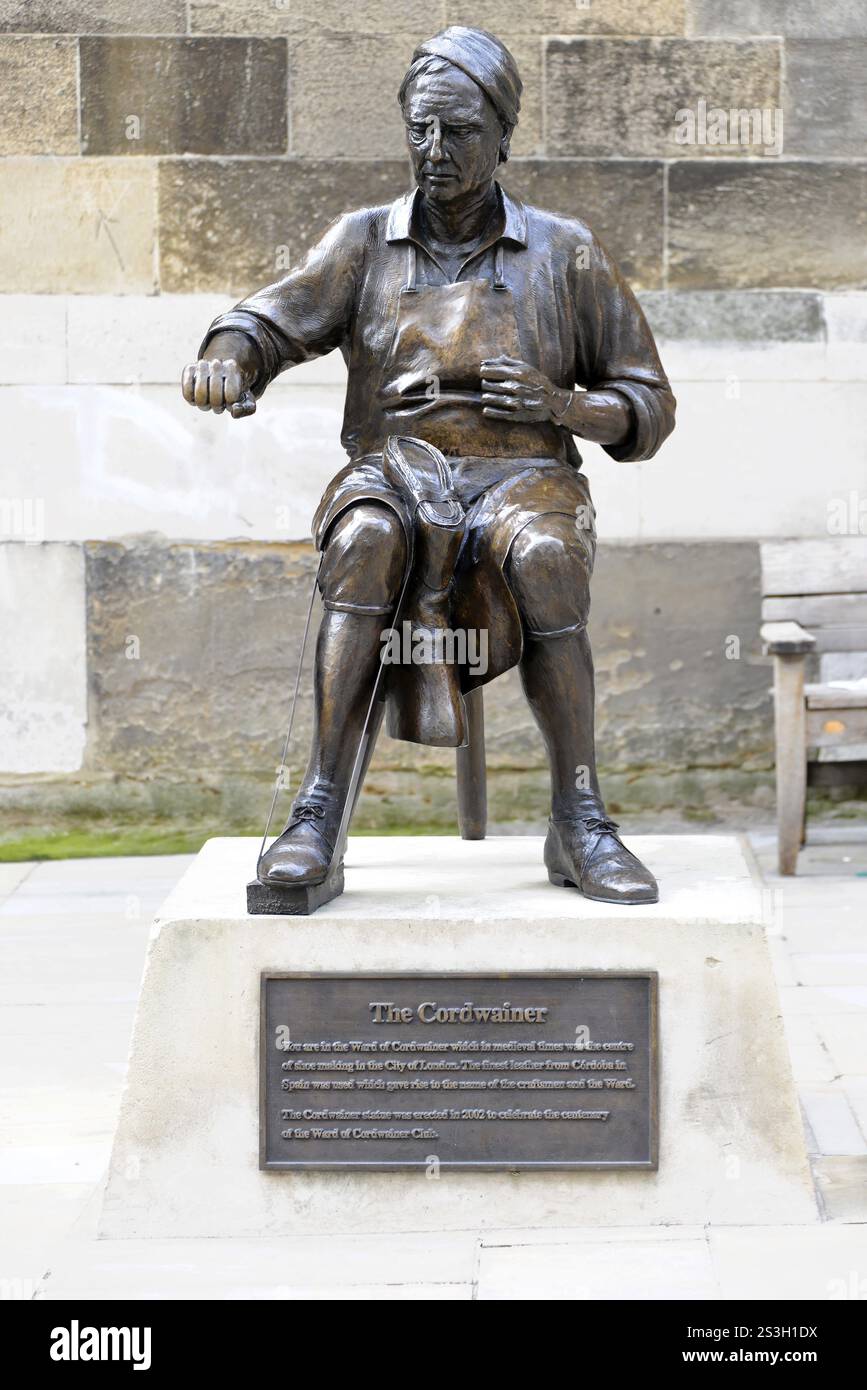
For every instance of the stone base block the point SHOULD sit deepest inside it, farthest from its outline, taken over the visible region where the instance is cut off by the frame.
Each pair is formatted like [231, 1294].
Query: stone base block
[731, 1149]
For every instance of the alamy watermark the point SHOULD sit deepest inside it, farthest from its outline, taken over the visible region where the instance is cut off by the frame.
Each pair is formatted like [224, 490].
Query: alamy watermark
[421, 646]
[730, 128]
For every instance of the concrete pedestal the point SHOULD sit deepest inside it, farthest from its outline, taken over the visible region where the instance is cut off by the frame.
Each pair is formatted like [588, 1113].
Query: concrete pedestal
[185, 1158]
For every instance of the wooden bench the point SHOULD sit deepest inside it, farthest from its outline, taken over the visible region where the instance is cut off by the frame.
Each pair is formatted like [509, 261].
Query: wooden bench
[814, 602]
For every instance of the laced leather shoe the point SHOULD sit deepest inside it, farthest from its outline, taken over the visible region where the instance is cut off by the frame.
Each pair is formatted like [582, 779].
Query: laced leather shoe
[301, 855]
[585, 852]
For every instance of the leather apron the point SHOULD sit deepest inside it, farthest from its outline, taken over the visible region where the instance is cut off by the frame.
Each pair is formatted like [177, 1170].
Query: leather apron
[431, 381]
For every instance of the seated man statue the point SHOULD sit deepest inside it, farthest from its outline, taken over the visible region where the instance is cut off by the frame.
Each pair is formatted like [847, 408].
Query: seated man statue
[480, 336]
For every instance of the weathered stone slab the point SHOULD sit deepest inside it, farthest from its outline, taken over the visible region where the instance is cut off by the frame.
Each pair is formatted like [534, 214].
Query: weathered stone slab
[183, 95]
[44, 68]
[165, 644]
[762, 224]
[106, 209]
[570, 16]
[355, 115]
[731, 1150]
[359, 116]
[795, 18]
[204, 688]
[621, 96]
[622, 201]
[727, 316]
[94, 16]
[43, 691]
[419, 17]
[234, 225]
[826, 97]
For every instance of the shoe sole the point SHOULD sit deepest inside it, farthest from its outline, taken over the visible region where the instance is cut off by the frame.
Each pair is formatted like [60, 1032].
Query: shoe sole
[561, 881]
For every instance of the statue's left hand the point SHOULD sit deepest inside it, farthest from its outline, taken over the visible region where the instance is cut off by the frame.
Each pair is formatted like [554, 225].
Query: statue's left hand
[513, 390]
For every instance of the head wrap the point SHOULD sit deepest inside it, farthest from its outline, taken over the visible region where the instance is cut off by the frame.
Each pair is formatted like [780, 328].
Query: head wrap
[483, 58]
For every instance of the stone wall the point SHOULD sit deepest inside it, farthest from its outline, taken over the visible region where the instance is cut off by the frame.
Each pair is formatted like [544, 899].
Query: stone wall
[160, 158]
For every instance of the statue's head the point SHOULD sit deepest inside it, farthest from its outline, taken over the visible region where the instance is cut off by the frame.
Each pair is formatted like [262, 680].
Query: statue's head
[460, 101]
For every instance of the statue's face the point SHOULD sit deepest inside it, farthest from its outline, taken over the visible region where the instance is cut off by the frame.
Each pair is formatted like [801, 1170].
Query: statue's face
[454, 134]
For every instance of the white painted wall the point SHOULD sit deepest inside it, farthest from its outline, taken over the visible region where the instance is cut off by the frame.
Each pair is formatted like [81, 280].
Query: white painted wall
[769, 435]
[43, 677]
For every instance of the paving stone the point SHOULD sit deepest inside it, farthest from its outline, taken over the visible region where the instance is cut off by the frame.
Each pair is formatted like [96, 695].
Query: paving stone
[841, 1181]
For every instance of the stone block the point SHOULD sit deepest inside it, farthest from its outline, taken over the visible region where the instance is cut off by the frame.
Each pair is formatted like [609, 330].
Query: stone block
[621, 97]
[234, 225]
[94, 16]
[622, 201]
[85, 226]
[418, 17]
[185, 1157]
[764, 224]
[344, 89]
[183, 96]
[826, 97]
[38, 95]
[570, 16]
[801, 19]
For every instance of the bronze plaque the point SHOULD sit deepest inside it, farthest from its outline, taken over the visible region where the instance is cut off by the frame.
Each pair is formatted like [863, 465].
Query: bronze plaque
[458, 1071]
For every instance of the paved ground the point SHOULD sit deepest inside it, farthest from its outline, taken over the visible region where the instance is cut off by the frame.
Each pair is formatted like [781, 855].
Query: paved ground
[72, 940]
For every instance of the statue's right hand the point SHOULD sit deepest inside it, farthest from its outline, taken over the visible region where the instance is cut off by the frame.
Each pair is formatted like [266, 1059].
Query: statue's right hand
[218, 384]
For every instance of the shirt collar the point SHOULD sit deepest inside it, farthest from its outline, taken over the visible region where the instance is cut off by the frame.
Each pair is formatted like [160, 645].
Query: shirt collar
[400, 217]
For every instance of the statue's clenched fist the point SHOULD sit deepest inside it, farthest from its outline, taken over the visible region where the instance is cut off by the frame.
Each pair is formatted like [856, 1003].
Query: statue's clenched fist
[218, 384]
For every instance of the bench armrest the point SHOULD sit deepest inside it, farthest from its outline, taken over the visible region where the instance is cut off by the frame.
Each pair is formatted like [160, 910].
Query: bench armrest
[786, 639]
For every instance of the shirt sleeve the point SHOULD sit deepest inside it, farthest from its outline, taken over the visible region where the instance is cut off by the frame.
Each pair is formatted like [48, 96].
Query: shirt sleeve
[309, 312]
[617, 353]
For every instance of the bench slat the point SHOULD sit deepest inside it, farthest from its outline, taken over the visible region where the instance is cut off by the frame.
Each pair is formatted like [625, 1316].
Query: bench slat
[832, 697]
[836, 566]
[817, 610]
[836, 728]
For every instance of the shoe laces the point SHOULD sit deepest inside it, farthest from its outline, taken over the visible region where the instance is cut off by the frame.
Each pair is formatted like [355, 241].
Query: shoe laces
[307, 810]
[600, 823]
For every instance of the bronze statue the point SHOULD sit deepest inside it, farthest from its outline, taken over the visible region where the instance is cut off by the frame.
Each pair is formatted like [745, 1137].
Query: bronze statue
[480, 335]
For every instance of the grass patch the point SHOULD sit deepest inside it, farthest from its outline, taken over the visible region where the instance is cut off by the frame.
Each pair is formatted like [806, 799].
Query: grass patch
[151, 839]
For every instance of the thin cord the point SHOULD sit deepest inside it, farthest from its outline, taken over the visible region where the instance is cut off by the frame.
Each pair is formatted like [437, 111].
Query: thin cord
[278, 783]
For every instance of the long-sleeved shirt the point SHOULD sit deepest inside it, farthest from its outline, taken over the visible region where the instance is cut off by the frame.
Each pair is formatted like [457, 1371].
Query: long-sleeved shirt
[578, 321]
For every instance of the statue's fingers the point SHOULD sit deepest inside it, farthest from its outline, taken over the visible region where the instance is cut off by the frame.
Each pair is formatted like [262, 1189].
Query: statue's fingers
[494, 414]
[506, 388]
[203, 385]
[245, 406]
[502, 371]
[216, 394]
[233, 386]
[503, 404]
[188, 383]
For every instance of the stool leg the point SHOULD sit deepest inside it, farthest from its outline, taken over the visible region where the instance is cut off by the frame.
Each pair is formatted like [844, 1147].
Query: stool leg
[472, 780]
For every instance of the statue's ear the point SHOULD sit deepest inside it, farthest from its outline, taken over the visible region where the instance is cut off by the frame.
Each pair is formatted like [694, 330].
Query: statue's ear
[505, 142]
